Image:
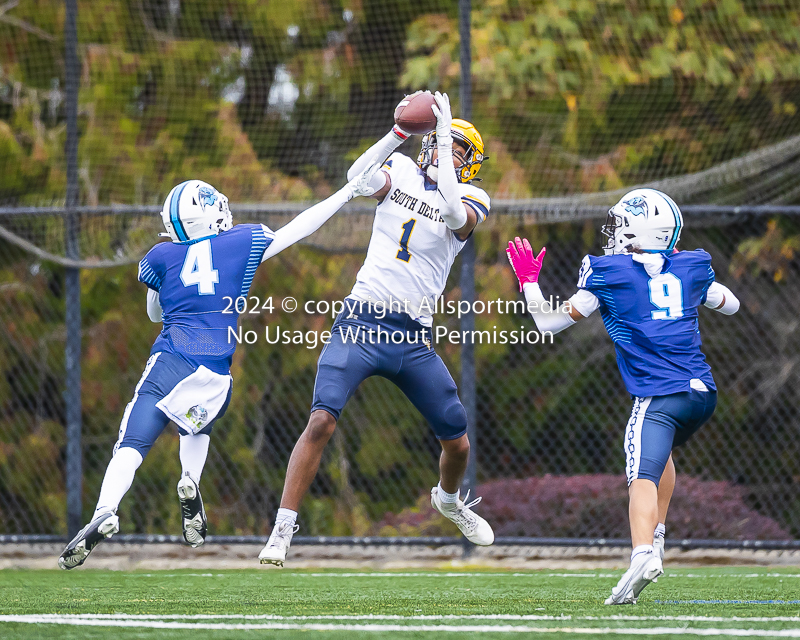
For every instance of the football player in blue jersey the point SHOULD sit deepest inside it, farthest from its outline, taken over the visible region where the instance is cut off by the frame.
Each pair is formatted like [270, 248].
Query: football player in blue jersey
[648, 294]
[187, 378]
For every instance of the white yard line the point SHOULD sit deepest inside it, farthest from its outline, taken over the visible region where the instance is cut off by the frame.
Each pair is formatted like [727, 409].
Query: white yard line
[530, 574]
[377, 616]
[463, 574]
[154, 624]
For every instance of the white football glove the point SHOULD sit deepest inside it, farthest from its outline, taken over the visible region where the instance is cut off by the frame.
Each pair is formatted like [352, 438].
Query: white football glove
[444, 118]
[367, 183]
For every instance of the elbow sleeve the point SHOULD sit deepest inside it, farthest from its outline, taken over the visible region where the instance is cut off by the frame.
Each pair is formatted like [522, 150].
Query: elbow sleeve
[450, 206]
[545, 317]
[722, 299]
[154, 310]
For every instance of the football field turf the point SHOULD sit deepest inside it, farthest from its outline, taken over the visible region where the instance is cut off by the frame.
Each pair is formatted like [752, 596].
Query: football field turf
[274, 603]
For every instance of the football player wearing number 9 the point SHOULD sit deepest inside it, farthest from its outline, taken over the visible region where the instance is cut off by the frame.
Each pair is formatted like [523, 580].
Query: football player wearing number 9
[187, 378]
[426, 212]
[648, 294]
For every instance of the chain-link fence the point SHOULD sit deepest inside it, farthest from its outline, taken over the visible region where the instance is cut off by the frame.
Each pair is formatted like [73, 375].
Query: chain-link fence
[105, 106]
[550, 416]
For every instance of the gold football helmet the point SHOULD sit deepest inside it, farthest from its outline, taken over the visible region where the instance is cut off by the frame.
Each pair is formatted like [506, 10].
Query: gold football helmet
[466, 135]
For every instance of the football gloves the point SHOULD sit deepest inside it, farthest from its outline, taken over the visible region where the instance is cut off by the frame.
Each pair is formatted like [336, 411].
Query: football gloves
[525, 266]
[365, 184]
[444, 118]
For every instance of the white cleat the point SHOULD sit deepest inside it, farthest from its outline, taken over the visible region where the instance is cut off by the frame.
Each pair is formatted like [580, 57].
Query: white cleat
[474, 528]
[75, 553]
[645, 568]
[274, 552]
[658, 547]
[193, 514]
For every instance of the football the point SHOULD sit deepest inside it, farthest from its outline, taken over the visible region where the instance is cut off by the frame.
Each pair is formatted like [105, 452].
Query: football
[414, 114]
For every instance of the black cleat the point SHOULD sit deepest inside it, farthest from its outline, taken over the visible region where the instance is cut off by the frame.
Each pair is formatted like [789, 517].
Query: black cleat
[75, 553]
[193, 514]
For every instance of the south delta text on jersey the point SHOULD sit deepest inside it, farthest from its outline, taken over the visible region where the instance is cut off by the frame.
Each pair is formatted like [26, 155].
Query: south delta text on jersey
[409, 202]
[192, 279]
[653, 321]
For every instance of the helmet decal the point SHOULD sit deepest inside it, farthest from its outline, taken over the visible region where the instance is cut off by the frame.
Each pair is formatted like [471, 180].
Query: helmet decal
[636, 206]
[207, 196]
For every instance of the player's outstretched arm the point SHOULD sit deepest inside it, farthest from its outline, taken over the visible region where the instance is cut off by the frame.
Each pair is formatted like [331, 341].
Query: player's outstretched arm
[721, 299]
[448, 196]
[153, 306]
[312, 219]
[527, 267]
[383, 148]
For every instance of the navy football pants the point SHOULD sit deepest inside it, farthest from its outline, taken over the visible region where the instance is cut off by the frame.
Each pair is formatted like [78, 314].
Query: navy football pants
[412, 365]
[660, 423]
[142, 421]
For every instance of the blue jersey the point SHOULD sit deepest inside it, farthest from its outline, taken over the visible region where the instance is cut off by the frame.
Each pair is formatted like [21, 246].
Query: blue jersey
[193, 280]
[653, 321]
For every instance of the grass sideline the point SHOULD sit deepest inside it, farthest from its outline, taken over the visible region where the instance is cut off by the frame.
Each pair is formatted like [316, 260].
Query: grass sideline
[685, 603]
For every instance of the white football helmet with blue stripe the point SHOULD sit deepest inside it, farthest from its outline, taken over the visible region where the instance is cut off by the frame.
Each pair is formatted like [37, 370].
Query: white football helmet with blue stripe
[645, 220]
[194, 210]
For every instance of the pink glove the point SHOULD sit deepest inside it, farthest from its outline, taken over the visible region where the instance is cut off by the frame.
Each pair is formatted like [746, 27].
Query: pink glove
[525, 266]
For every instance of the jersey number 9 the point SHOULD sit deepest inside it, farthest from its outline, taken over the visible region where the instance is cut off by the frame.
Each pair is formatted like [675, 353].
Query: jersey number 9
[666, 293]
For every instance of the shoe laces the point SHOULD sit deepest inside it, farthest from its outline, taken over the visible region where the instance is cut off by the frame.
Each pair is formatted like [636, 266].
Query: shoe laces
[464, 513]
[282, 534]
[191, 507]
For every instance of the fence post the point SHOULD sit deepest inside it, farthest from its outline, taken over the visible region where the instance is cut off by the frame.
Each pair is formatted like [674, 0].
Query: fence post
[468, 383]
[72, 351]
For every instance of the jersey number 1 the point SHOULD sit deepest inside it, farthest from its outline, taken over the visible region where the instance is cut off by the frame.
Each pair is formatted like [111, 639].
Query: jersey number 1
[198, 268]
[666, 293]
[404, 254]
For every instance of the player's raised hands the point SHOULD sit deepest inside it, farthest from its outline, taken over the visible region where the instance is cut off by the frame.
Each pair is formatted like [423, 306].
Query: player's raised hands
[363, 184]
[525, 266]
[444, 116]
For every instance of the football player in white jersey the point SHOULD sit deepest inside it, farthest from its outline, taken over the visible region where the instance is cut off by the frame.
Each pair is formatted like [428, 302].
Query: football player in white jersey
[426, 212]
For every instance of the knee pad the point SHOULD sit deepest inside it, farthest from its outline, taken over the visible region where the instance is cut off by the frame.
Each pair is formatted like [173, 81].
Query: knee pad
[453, 422]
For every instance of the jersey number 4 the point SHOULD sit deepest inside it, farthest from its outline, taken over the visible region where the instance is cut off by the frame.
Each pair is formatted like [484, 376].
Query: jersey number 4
[666, 293]
[198, 268]
[404, 254]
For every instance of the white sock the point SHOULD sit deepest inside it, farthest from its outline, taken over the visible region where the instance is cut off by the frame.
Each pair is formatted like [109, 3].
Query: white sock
[447, 498]
[642, 548]
[661, 531]
[286, 515]
[193, 452]
[118, 479]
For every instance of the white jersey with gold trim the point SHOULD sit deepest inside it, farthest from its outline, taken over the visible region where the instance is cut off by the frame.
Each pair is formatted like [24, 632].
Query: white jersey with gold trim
[411, 249]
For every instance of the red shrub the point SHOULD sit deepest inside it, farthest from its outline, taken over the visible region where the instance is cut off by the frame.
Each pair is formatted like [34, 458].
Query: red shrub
[594, 506]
